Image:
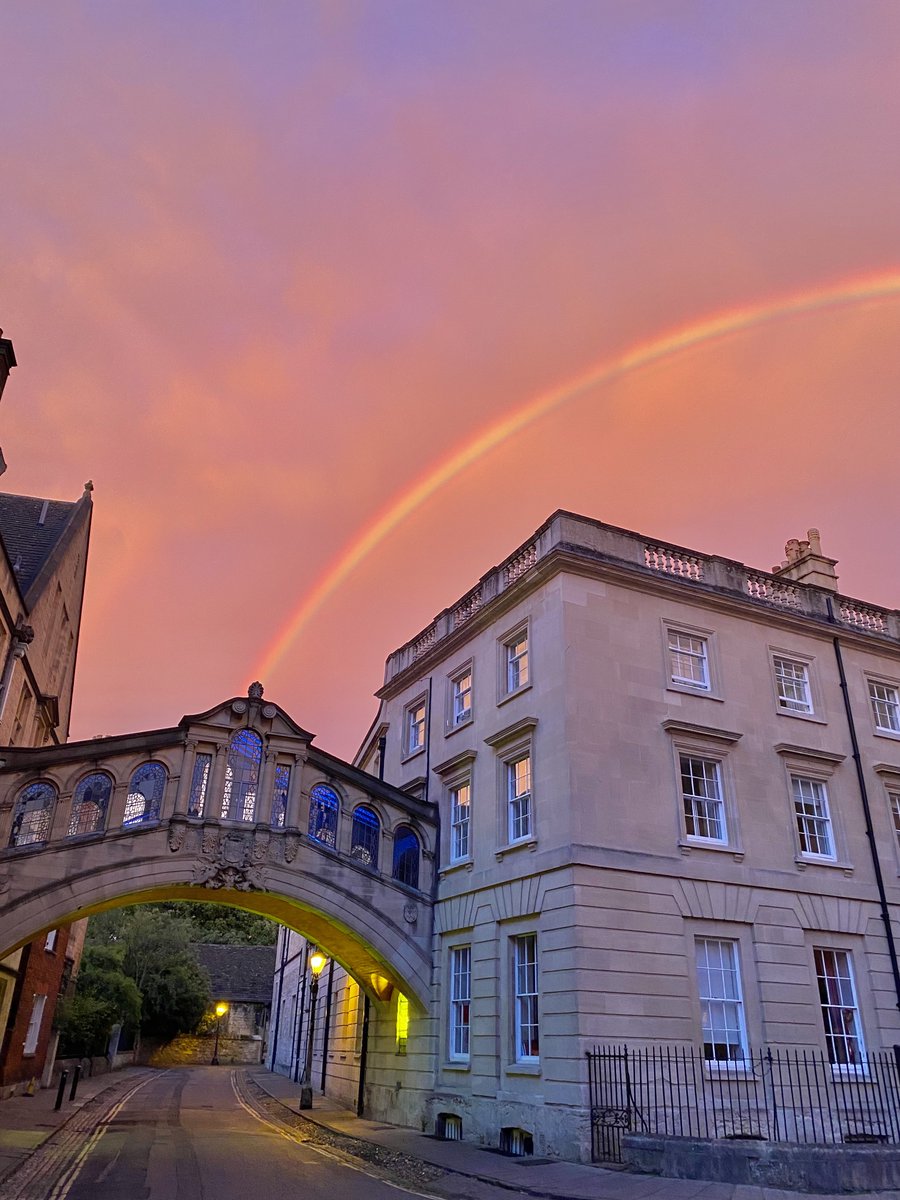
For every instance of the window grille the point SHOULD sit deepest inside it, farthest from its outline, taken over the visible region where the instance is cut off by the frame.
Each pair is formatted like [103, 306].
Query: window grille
[365, 835]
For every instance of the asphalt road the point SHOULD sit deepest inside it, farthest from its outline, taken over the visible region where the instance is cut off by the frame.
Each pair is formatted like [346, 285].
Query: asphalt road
[185, 1135]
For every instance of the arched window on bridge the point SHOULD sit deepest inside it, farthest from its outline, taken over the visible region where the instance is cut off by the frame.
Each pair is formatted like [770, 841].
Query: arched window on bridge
[323, 815]
[89, 804]
[365, 836]
[33, 814]
[406, 856]
[280, 795]
[145, 793]
[242, 776]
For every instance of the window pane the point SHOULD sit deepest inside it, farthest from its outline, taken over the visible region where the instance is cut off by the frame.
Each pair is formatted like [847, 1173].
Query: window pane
[89, 804]
[199, 785]
[525, 971]
[145, 794]
[280, 791]
[365, 836]
[688, 659]
[813, 821]
[242, 777]
[406, 856]
[459, 822]
[519, 785]
[462, 698]
[704, 809]
[885, 706]
[33, 814]
[323, 815]
[460, 999]
[517, 663]
[792, 682]
[840, 1015]
[721, 1004]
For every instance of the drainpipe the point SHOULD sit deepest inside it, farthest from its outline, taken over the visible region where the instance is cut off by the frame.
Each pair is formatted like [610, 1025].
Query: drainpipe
[867, 812]
[382, 749]
[363, 1055]
[327, 1025]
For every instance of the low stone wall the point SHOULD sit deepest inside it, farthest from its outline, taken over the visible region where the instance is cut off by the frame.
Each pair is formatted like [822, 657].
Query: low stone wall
[767, 1164]
[198, 1051]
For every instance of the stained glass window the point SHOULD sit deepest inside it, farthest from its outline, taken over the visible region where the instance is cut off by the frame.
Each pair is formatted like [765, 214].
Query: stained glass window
[145, 793]
[199, 784]
[323, 814]
[33, 814]
[365, 836]
[242, 776]
[89, 804]
[280, 796]
[406, 856]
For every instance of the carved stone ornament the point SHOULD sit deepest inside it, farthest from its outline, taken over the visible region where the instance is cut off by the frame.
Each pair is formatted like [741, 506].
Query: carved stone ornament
[291, 845]
[232, 862]
[410, 914]
[176, 837]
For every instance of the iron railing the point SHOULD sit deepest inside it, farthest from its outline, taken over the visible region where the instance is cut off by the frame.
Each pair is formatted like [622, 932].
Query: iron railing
[774, 1095]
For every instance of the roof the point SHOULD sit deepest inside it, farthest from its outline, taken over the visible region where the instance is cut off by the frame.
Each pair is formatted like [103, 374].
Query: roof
[238, 973]
[31, 528]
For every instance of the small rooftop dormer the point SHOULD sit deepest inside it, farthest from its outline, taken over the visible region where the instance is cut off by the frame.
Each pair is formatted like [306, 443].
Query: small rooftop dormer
[804, 562]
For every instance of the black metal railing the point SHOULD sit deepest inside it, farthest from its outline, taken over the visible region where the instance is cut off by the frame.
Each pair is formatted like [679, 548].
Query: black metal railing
[777, 1095]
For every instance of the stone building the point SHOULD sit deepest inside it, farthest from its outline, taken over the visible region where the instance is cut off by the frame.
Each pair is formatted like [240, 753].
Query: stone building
[44, 547]
[655, 771]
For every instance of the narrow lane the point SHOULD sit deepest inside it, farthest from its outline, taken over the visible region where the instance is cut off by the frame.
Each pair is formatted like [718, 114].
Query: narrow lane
[185, 1136]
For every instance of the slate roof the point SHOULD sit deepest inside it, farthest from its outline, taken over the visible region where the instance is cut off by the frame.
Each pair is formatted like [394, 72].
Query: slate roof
[28, 543]
[238, 973]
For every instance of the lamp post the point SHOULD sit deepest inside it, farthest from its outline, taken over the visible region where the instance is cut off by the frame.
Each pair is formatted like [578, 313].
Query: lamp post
[221, 1010]
[317, 961]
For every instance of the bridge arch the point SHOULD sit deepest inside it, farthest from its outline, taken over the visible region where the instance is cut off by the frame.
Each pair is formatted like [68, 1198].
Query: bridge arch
[376, 927]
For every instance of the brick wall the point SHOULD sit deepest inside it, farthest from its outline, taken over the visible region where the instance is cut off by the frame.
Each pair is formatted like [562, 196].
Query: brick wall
[42, 976]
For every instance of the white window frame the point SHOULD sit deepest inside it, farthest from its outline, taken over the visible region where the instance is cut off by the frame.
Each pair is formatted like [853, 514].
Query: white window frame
[519, 803]
[413, 725]
[459, 1026]
[810, 826]
[707, 683]
[33, 1033]
[458, 714]
[515, 661]
[721, 1012]
[696, 800]
[526, 995]
[839, 1006]
[890, 705]
[793, 686]
[460, 826]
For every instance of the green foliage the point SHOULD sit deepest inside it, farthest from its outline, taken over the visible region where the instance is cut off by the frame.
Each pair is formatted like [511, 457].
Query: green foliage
[220, 925]
[153, 948]
[106, 995]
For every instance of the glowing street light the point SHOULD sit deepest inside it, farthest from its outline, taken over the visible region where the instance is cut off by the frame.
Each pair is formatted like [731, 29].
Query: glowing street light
[317, 961]
[221, 1010]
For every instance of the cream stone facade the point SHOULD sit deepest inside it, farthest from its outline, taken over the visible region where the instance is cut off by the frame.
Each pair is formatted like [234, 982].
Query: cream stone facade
[653, 826]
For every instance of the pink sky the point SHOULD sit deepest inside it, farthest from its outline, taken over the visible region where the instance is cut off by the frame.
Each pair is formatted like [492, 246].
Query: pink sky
[267, 265]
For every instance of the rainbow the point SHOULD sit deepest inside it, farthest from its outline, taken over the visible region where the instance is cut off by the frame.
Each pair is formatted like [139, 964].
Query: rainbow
[645, 354]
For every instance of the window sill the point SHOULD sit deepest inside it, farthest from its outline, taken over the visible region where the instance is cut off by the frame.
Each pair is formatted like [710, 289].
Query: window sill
[411, 754]
[801, 716]
[892, 735]
[451, 729]
[460, 1067]
[685, 689]
[531, 1069]
[688, 845]
[802, 861]
[507, 696]
[464, 864]
[522, 844]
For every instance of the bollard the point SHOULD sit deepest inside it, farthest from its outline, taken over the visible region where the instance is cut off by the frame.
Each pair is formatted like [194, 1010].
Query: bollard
[64, 1075]
[76, 1075]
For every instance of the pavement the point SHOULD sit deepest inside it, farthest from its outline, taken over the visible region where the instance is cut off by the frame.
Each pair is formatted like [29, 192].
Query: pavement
[27, 1121]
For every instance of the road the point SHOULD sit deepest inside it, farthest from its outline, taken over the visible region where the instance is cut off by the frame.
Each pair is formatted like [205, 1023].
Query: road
[187, 1134]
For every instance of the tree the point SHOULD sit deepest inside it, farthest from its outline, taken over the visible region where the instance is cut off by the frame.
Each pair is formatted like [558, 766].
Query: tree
[105, 995]
[219, 924]
[155, 953]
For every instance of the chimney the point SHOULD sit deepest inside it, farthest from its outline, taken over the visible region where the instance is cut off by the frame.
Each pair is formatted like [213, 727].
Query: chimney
[804, 562]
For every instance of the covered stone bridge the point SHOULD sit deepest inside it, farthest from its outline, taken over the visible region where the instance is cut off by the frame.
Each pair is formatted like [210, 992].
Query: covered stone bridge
[234, 805]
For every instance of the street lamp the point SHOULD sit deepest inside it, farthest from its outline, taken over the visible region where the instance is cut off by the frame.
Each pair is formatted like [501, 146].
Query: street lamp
[221, 1010]
[317, 961]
